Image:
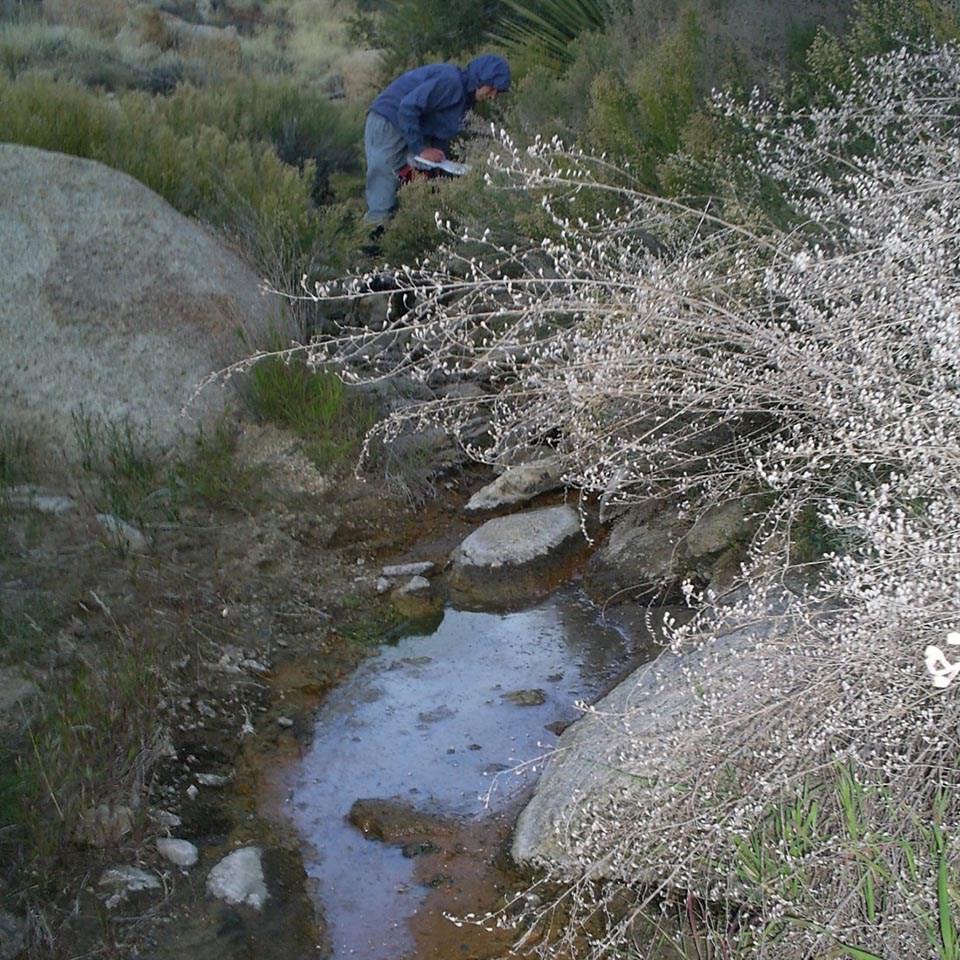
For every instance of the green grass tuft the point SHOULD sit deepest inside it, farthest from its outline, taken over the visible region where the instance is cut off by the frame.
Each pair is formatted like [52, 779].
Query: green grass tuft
[131, 482]
[214, 474]
[18, 457]
[315, 404]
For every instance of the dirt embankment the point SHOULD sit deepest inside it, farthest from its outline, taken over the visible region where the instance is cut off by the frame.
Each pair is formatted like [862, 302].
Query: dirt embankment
[245, 612]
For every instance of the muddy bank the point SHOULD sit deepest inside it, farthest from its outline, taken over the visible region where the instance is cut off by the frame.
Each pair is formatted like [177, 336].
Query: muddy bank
[238, 614]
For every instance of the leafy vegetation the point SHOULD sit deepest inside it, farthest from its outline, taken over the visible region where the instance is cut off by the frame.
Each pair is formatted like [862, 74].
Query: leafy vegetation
[314, 403]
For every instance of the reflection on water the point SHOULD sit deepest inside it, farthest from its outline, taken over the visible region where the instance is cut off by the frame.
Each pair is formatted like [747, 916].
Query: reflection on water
[451, 722]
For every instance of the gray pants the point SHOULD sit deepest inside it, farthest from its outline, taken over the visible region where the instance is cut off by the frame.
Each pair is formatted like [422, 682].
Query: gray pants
[386, 152]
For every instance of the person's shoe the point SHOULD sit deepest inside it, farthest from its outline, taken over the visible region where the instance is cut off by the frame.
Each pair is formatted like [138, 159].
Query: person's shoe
[372, 247]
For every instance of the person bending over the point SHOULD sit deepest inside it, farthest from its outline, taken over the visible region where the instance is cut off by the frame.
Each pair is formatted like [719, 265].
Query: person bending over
[417, 116]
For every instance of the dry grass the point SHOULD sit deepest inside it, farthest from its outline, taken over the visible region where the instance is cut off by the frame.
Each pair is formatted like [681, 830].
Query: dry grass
[100, 15]
[318, 41]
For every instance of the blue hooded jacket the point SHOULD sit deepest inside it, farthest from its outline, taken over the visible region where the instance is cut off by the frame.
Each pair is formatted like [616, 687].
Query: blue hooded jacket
[429, 103]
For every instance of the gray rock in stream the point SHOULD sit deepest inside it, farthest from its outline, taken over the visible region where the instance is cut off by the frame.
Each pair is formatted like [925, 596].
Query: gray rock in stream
[238, 878]
[515, 557]
[517, 484]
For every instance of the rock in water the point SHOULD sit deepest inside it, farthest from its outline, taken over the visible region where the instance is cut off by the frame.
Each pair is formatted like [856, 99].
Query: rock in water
[517, 556]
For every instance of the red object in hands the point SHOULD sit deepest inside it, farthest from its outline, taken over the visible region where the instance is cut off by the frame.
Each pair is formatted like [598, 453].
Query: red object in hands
[433, 154]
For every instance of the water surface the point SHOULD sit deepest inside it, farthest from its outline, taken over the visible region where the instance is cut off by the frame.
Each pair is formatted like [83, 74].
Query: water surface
[454, 722]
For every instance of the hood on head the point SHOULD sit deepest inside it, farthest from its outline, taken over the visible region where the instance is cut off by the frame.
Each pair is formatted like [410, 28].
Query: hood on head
[488, 70]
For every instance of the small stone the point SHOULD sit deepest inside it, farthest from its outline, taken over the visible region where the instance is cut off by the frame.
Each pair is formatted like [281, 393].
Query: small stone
[414, 585]
[42, 501]
[400, 570]
[230, 659]
[214, 780]
[254, 666]
[121, 882]
[492, 769]
[192, 791]
[238, 878]
[443, 712]
[167, 820]
[180, 852]
[383, 585]
[125, 536]
[285, 722]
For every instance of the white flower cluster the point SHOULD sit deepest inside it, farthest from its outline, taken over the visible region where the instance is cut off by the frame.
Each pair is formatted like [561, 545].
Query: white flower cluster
[658, 350]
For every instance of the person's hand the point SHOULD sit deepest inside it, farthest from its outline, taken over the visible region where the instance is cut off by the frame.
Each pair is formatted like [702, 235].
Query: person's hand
[433, 154]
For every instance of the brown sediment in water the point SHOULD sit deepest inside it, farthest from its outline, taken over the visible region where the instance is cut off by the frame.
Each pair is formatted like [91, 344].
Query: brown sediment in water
[472, 884]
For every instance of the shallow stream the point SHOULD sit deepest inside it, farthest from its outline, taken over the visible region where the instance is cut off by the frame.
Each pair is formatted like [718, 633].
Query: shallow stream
[456, 722]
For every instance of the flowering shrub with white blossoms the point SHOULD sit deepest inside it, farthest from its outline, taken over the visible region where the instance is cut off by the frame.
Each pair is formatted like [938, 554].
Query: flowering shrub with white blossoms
[658, 349]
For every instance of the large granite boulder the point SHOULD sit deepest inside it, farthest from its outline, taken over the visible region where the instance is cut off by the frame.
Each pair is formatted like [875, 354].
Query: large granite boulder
[112, 303]
[622, 756]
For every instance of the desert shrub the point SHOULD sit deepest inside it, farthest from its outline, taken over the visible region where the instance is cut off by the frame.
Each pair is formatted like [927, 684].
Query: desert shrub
[413, 32]
[238, 184]
[818, 364]
[641, 118]
[544, 104]
[876, 27]
[628, 99]
[102, 16]
[35, 45]
[301, 123]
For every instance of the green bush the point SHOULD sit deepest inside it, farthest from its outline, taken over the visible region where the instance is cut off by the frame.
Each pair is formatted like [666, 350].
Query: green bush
[413, 32]
[201, 169]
